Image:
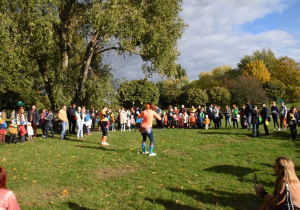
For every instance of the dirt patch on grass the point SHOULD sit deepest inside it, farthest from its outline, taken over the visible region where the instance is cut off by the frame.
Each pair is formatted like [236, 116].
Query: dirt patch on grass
[112, 172]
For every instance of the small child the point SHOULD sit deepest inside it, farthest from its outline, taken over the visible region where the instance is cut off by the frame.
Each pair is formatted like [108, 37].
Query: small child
[22, 131]
[206, 122]
[3, 126]
[29, 132]
[162, 121]
[132, 121]
[192, 120]
[138, 122]
[128, 123]
[165, 119]
[13, 130]
[185, 120]
[112, 122]
[88, 124]
[180, 120]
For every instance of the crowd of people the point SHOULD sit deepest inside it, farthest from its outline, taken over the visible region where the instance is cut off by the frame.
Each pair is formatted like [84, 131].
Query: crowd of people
[85, 121]
[141, 117]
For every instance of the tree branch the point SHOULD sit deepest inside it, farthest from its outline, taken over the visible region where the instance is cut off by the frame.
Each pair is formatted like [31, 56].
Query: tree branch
[118, 48]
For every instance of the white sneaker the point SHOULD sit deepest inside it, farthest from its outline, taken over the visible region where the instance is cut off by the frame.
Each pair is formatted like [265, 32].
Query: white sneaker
[153, 154]
[146, 153]
[279, 129]
[285, 129]
[274, 129]
[104, 144]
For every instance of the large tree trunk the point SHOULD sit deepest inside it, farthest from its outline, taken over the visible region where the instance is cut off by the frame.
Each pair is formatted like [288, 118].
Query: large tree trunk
[42, 69]
[85, 68]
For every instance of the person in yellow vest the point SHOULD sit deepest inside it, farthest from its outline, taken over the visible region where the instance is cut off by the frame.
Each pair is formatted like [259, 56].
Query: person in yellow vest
[62, 115]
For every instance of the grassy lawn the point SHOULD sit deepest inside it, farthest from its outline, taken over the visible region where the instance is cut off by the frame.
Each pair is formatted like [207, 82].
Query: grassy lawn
[193, 169]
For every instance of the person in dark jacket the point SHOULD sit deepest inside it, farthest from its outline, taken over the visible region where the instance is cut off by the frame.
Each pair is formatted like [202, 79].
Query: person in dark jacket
[72, 120]
[210, 114]
[255, 121]
[248, 114]
[293, 119]
[265, 116]
[275, 111]
[33, 117]
[93, 118]
[48, 123]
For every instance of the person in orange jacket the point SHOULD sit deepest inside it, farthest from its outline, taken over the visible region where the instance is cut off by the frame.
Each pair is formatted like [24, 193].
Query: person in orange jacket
[206, 122]
[13, 130]
[192, 120]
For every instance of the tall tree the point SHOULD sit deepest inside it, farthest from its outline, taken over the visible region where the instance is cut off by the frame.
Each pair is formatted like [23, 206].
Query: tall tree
[137, 91]
[63, 37]
[219, 95]
[287, 70]
[274, 89]
[245, 88]
[267, 56]
[214, 78]
[257, 69]
[170, 91]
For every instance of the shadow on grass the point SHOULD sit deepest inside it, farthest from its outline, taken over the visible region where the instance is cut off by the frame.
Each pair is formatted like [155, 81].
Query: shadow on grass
[222, 198]
[169, 204]
[96, 147]
[238, 171]
[75, 206]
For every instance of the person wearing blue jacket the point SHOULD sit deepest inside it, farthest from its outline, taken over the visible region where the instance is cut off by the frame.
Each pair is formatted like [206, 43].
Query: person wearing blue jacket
[33, 117]
[265, 116]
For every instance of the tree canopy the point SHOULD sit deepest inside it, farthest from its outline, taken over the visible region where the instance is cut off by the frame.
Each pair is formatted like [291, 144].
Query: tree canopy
[58, 41]
[137, 91]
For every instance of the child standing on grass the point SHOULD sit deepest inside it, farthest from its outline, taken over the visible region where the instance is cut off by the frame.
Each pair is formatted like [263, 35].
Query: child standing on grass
[165, 119]
[185, 120]
[112, 122]
[162, 121]
[2, 131]
[206, 122]
[192, 120]
[22, 131]
[13, 131]
[29, 131]
[88, 123]
[138, 122]
[132, 121]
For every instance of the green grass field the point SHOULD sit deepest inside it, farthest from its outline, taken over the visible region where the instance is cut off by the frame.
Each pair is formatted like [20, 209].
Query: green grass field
[193, 169]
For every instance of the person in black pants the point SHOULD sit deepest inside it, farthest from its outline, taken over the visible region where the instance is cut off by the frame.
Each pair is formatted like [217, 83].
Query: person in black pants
[72, 120]
[248, 114]
[293, 119]
[93, 118]
[265, 116]
[255, 121]
[274, 110]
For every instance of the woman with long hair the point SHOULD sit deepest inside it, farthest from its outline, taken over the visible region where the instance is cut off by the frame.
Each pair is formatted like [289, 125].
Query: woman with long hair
[285, 174]
[7, 198]
[146, 127]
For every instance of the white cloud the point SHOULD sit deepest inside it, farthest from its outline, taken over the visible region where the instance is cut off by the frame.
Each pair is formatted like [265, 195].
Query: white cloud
[215, 36]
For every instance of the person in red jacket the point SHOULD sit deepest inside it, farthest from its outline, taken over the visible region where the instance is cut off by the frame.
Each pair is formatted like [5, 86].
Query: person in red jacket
[22, 131]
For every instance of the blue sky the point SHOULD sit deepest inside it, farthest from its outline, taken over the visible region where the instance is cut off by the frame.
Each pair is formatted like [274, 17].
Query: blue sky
[287, 20]
[221, 32]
